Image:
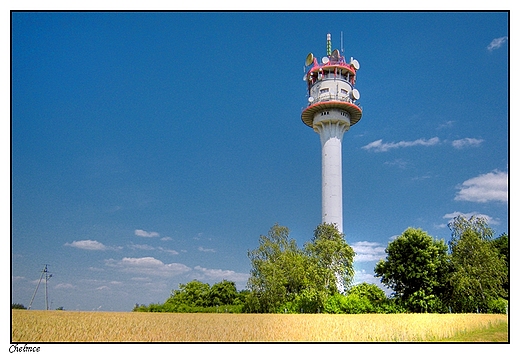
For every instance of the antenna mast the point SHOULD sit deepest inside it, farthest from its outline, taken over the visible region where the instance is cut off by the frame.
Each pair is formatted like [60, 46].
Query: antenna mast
[341, 43]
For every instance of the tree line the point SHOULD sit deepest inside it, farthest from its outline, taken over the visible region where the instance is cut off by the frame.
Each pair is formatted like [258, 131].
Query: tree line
[470, 273]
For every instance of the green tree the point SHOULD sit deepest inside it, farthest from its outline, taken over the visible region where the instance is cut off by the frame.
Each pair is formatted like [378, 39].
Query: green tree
[479, 271]
[333, 258]
[194, 293]
[415, 269]
[223, 293]
[370, 291]
[285, 278]
[277, 271]
[501, 244]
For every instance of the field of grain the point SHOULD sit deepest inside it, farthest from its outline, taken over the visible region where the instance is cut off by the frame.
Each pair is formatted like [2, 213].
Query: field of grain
[68, 326]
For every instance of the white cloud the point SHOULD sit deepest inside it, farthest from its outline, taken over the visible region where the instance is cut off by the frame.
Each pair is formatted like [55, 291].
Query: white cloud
[219, 274]
[488, 218]
[174, 252]
[361, 276]
[400, 163]
[142, 233]
[488, 187]
[141, 279]
[496, 43]
[141, 247]
[379, 146]
[368, 251]
[94, 269]
[64, 286]
[148, 266]
[202, 249]
[88, 245]
[466, 142]
[446, 125]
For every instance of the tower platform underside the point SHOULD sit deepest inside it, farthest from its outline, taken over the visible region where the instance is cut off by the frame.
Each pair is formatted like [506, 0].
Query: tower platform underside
[352, 109]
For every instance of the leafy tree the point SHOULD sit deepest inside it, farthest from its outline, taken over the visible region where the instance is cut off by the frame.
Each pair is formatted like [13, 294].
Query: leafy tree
[370, 291]
[285, 278]
[194, 293]
[479, 271]
[18, 307]
[223, 293]
[333, 257]
[415, 268]
[501, 244]
[277, 271]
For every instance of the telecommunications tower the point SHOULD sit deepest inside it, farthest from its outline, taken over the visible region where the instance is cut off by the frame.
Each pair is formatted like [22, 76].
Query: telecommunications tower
[331, 111]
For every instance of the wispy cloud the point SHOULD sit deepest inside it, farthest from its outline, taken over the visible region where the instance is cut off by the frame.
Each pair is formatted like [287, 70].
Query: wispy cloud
[88, 245]
[174, 252]
[148, 266]
[485, 188]
[152, 248]
[398, 162]
[489, 219]
[368, 251]
[65, 286]
[446, 125]
[142, 233]
[220, 274]
[362, 276]
[379, 146]
[202, 249]
[496, 43]
[141, 247]
[466, 142]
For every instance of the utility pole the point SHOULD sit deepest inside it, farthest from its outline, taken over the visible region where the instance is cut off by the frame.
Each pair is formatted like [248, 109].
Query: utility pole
[45, 272]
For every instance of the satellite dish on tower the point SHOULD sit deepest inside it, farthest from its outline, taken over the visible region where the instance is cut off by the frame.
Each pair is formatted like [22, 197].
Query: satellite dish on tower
[354, 63]
[324, 60]
[355, 94]
[309, 59]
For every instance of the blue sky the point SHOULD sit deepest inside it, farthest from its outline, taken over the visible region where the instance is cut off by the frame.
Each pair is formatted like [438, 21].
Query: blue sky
[151, 149]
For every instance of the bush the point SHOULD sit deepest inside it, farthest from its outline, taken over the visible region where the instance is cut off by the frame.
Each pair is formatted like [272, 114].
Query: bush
[355, 304]
[350, 304]
[334, 304]
[390, 306]
[498, 306]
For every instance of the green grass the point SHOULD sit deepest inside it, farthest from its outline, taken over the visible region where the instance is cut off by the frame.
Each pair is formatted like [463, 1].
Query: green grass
[495, 333]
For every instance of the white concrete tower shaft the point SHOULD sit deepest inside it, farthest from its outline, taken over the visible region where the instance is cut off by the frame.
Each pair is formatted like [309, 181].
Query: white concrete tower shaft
[331, 136]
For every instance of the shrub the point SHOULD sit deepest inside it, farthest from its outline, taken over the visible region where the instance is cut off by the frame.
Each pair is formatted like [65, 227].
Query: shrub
[498, 306]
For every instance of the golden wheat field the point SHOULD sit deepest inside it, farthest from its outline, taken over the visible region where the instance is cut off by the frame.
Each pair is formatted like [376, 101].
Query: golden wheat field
[68, 326]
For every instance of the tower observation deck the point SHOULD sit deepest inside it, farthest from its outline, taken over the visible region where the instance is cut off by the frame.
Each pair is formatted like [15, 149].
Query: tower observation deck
[332, 109]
